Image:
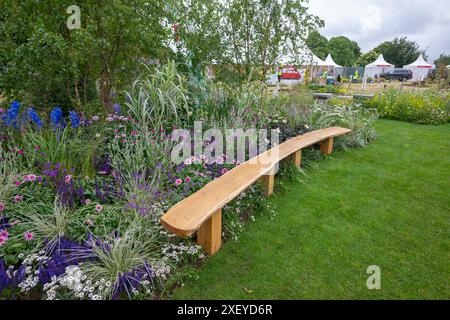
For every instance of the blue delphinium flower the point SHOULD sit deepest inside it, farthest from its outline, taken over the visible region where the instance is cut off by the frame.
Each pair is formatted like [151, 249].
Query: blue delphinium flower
[74, 120]
[11, 116]
[56, 118]
[116, 108]
[34, 117]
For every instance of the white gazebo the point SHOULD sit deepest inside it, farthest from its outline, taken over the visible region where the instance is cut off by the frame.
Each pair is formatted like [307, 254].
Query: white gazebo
[316, 61]
[316, 64]
[329, 62]
[420, 69]
[377, 67]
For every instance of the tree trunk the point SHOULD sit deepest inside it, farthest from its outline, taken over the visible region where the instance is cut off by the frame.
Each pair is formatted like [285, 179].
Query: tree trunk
[105, 90]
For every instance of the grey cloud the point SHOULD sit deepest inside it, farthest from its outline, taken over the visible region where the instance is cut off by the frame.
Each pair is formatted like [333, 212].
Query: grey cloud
[427, 22]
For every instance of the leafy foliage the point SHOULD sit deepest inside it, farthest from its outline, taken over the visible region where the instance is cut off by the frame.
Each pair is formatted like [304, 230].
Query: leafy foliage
[400, 51]
[428, 107]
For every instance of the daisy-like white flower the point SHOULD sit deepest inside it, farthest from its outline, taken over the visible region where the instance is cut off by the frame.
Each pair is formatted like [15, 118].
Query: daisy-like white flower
[28, 236]
[98, 207]
[87, 202]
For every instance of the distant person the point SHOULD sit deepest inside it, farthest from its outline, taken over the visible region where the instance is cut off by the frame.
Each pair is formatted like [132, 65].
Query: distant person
[339, 79]
[324, 77]
[356, 75]
[376, 77]
[279, 73]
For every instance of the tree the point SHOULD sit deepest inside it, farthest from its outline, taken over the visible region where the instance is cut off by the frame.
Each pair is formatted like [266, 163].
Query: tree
[444, 59]
[400, 51]
[366, 58]
[198, 37]
[343, 50]
[44, 62]
[260, 32]
[318, 44]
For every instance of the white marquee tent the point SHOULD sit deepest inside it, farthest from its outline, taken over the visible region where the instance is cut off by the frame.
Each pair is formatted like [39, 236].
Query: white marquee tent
[316, 61]
[377, 67]
[329, 62]
[420, 68]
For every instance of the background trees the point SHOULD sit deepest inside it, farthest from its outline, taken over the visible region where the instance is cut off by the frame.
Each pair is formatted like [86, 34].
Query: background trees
[444, 59]
[43, 63]
[318, 44]
[400, 51]
[366, 58]
[343, 50]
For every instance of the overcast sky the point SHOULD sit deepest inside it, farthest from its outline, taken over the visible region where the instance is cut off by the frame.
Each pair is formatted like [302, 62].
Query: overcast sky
[370, 22]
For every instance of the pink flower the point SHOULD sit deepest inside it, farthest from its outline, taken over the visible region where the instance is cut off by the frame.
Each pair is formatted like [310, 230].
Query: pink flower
[37, 148]
[2, 110]
[134, 133]
[178, 181]
[4, 233]
[98, 207]
[14, 222]
[67, 179]
[224, 170]
[18, 198]
[2, 206]
[17, 183]
[28, 236]
[88, 202]
[3, 240]
[21, 152]
[187, 180]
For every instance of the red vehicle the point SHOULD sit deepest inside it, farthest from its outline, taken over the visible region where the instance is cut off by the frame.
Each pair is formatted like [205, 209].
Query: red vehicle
[290, 73]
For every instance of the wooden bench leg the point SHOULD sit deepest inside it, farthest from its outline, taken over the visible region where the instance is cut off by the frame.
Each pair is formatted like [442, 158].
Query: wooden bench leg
[209, 235]
[326, 146]
[296, 158]
[269, 182]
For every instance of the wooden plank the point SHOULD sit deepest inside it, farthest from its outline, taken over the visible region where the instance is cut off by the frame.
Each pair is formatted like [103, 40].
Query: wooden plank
[269, 182]
[209, 235]
[326, 146]
[296, 158]
[186, 217]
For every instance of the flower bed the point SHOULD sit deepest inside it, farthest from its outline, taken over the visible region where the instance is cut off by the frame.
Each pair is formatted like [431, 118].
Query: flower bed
[81, 196]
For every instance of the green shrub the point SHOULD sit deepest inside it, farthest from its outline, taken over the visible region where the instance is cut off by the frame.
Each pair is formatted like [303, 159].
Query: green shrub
[324, 89]
[423, 107]
[351, 116]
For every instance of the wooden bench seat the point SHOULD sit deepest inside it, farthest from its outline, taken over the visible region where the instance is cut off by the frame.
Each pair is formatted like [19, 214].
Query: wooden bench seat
[201, 212]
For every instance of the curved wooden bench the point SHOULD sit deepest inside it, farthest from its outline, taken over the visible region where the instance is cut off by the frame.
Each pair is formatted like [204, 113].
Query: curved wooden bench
[201, 212]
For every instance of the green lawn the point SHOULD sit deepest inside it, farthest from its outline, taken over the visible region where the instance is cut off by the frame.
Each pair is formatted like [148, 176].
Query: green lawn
[385, 205]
